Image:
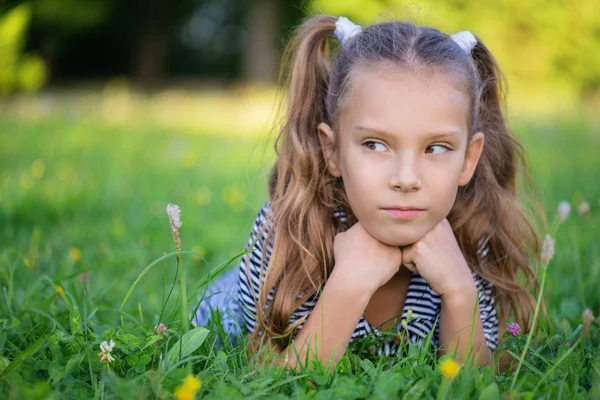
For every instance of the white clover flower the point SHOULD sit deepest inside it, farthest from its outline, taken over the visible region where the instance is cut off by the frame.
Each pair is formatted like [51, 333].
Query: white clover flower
[174, 213]
[105, 349]
[547, 249]
[564, 209]
[584, 207]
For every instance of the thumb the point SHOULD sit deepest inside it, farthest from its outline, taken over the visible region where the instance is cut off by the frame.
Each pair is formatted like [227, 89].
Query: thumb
[408, 258]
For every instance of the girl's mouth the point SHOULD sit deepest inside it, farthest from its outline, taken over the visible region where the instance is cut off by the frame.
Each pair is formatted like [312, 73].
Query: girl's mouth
[404, 214]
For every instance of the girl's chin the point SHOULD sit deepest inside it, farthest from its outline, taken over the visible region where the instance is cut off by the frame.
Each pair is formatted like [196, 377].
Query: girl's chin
[397, 241]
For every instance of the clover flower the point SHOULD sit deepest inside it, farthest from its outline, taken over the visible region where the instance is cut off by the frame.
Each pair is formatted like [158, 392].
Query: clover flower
[188, 389]
[584, 208]
[564, 209]
[160, 328]
[106, 348]
[547, 249]
[588, 318]
[174, 213]
[514, 329]
[449, 368]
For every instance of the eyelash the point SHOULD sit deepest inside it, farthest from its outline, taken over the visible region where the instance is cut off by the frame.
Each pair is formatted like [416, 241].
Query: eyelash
[433, 145]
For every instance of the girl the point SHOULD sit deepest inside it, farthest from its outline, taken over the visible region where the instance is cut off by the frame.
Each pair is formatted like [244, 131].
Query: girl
[392, 201]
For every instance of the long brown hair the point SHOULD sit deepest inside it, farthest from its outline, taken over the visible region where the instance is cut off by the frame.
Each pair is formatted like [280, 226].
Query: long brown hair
[303, 194]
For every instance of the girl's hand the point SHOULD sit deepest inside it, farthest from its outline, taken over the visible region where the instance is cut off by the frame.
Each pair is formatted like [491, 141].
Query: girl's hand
[439, 260]
[363, 262]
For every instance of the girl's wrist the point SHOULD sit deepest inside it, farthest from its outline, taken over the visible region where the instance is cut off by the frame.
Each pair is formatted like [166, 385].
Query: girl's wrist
[340, 284]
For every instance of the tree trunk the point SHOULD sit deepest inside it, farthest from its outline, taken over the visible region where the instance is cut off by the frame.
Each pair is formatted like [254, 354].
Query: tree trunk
[260, 50]
[151, 46]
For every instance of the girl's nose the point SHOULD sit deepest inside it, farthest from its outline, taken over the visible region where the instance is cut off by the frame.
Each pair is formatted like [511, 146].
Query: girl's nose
[406, 178]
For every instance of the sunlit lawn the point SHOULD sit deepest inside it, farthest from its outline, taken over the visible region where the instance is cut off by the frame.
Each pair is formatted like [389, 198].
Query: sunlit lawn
[82, 212]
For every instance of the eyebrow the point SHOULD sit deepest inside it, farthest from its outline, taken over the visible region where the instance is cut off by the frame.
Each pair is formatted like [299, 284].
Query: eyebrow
[429, 135]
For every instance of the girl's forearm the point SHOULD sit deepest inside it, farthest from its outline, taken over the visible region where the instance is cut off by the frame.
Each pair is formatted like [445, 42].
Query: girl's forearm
[329, 328]
[456, 325]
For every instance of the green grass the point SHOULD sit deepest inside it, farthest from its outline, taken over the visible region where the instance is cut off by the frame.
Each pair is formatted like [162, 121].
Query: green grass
[82, 207]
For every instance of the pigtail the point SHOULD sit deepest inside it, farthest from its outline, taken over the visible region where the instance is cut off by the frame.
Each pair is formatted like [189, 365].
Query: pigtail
[301, 195]
[494, 223]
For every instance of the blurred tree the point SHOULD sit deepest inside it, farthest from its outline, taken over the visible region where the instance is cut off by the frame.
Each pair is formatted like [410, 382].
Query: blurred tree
[57, 20]
[260, 51]
[539, 43]
[268, 24]
[18, 70]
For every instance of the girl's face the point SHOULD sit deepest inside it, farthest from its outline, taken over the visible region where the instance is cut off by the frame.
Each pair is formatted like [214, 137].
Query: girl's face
[403, 144]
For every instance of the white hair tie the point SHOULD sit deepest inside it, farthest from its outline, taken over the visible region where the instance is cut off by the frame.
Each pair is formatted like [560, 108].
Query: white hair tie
[466, 40]
[345, 29]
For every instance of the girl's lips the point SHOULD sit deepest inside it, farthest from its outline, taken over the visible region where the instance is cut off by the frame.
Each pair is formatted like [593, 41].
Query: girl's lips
[404, 214]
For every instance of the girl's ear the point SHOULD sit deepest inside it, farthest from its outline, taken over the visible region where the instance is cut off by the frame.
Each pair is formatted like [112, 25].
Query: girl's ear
[474, 149]
[327, 139]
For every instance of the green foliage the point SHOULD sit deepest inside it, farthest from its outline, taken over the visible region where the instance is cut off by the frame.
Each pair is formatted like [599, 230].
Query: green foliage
[82, 213]
[539, 44]
[18, 71]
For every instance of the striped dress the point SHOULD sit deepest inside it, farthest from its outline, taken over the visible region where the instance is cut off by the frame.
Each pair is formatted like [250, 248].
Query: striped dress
[242, 287]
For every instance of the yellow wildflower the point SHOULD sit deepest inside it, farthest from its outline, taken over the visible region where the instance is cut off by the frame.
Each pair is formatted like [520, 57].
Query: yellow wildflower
[189, 160]
[75, 254]
[60, 290]
[189, 388]
[449, 368]
[38, 168]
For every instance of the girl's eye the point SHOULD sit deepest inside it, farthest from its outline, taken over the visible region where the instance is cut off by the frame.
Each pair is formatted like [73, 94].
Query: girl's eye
[371, 145]
[440, 149]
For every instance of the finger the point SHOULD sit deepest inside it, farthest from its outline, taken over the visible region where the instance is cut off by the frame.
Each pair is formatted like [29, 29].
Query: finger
[411, 267]
[408, 260]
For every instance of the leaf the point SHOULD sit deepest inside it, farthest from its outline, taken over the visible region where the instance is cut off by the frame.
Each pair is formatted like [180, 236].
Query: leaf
[491, 392]
[26, 354]
[152, 339]
[144, 359]
[221, 361]
[416, 391]
[75, 321]
[132, 360]
[529, 365]
[74, 361]
[188, 343]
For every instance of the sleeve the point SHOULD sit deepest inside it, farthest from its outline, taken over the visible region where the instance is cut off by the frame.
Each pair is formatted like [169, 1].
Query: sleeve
[487, 309]
[249, 281]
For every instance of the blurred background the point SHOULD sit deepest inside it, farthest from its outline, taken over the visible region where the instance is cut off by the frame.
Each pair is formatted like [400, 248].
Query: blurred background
[111, 109]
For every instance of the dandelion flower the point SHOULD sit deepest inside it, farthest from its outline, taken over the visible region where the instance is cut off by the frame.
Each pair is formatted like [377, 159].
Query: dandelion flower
[449, 368]
[584, 208]
[160, 328]
[514, 329]
[105, 349]
[59, 290]
[564, 209]
[174, 213]
[547, 249]
[188, 389]
[75, 254]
